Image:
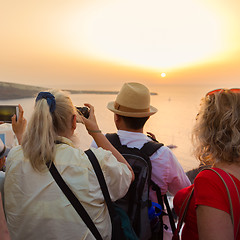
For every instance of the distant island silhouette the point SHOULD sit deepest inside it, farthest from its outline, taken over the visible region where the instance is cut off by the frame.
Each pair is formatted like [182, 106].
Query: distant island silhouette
[15, 91]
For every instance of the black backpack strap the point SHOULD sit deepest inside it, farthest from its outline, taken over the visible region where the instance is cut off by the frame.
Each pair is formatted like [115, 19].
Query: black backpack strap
[74, 201]
[114, 139]
[117, 231]
[156, 188]
[170, 215]
[151, 147]
[148, 148]
[101, 181]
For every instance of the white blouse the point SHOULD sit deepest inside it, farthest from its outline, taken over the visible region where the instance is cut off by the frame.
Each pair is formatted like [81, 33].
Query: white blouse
[37, 209]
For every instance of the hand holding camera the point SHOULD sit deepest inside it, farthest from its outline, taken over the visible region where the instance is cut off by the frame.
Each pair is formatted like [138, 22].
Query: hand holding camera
[89, 119]
[19, 125]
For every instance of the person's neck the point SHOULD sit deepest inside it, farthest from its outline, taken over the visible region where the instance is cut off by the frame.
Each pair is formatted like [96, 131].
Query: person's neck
[66, 134]
[131, 130]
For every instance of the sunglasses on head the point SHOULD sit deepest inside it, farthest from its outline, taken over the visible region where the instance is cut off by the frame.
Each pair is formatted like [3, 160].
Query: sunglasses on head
[234, 90]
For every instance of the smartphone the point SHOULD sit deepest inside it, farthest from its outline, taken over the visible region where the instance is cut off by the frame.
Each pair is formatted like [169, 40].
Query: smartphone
[7, 111]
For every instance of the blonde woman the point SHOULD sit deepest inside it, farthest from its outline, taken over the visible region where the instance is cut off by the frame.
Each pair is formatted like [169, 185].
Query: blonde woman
[216, 137]
[35, 206]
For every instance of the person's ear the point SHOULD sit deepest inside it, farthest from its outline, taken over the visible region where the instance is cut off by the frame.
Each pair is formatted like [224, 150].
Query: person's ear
[116, 117]
[74, 122]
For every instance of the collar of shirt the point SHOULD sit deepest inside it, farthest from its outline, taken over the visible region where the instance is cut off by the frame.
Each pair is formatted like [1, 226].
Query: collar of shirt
[65, 141]
[132, 139]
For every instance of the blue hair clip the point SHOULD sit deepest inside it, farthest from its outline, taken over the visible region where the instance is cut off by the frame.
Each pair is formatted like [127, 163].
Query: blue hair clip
[50, 100]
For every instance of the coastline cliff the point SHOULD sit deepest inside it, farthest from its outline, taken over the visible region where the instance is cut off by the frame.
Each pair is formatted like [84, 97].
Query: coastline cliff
[15, 91]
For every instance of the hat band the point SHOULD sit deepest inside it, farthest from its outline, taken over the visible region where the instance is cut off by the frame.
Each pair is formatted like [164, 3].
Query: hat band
[127, 109]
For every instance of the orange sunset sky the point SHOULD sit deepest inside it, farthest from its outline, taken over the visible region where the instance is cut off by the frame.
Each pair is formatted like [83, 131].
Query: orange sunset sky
[91, 42]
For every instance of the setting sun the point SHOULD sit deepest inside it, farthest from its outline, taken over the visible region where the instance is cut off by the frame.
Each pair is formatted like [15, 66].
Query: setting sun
[163, 74]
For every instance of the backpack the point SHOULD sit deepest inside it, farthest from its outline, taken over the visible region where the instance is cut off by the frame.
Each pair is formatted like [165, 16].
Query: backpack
[136, 202]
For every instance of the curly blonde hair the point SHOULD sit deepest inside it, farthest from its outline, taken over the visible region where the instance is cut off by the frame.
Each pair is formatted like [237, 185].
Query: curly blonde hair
[216, 134]
[38, 142]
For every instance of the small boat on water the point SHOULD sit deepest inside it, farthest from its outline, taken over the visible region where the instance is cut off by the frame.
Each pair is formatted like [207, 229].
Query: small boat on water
[171, 146]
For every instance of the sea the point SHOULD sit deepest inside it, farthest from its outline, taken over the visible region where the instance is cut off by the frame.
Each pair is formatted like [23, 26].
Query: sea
[172, 125]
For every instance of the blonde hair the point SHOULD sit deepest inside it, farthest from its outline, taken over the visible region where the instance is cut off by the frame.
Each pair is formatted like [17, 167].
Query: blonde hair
[216, 135]
[38, 142]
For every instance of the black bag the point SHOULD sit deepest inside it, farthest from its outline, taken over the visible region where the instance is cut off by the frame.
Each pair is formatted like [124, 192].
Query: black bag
[136, 202]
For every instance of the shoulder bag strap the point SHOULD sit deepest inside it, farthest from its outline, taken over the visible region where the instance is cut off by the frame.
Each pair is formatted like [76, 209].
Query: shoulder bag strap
[233, 196]
[183, 211]
[102, 182]
[74, 201]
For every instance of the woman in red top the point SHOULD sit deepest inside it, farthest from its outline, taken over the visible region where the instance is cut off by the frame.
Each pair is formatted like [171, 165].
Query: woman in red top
[216, 138]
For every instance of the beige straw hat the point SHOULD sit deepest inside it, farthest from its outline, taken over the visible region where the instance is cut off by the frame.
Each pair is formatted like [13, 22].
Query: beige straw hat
[133, 100]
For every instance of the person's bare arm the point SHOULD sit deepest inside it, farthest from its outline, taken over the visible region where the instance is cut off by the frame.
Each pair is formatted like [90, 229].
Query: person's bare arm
[214, 224]
[100, 139]
[19, 125]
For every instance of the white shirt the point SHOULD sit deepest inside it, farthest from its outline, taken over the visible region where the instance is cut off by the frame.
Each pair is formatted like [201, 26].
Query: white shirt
[37, 209]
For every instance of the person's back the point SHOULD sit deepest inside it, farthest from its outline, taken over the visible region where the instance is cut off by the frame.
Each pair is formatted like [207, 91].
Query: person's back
[136, 202]
[41, 207]
[35, 206]
[167, 173]
[131, 111]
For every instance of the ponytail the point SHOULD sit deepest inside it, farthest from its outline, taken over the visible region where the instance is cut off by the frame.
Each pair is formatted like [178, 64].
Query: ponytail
[38, 142]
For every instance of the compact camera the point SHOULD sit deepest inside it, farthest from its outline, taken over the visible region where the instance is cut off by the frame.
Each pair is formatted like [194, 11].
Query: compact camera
[7, 111]
[83, 111]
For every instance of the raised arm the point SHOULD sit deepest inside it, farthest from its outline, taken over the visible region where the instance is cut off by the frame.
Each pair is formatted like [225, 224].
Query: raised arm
[100, 139]
[19, 125]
